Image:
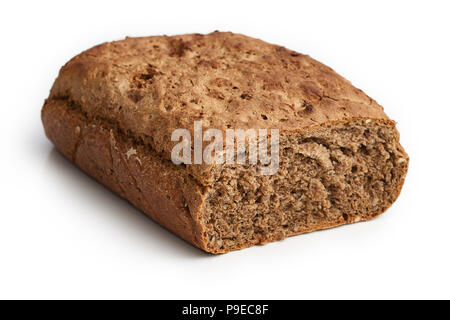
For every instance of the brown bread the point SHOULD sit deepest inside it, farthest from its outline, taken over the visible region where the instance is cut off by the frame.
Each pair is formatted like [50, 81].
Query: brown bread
[113, 108]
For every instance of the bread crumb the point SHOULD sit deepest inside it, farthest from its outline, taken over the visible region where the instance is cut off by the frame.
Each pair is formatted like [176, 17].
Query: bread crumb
[131, 152]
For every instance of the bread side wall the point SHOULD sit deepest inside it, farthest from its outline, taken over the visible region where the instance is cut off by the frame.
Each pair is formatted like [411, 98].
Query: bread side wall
[163, 191]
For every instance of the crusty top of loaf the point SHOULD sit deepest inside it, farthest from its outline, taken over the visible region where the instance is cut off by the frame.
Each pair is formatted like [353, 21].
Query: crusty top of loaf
[149, 86]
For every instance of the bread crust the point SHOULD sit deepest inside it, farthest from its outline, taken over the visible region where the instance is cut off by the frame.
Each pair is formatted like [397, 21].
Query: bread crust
[113, 108]
[157, 187]
[150, 86]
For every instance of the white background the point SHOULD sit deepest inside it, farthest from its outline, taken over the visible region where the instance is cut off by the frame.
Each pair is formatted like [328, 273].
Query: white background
[63, 235]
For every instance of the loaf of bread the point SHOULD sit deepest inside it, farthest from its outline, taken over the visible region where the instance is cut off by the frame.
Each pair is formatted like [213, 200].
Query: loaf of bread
[114, 108]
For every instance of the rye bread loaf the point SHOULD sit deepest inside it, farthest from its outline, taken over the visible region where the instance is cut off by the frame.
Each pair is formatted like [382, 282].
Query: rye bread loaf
[113, 108]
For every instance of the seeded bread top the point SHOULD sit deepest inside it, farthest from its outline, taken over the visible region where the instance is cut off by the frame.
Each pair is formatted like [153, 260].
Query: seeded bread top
[147, 87]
